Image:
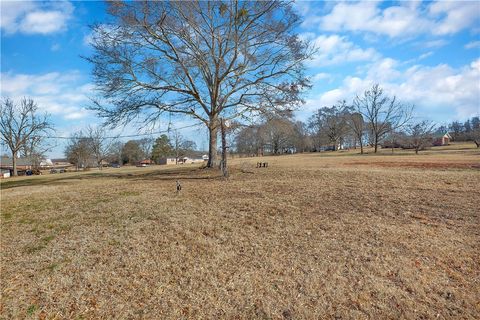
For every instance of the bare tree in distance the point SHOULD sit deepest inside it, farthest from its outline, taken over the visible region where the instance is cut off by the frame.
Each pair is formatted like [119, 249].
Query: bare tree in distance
[357, 126]
[249, 140]
[99, 144]
[180, 146]
[146, 144]
[177, 144]
[115, 152]
[301, 139]
[278, 134]
[476, 137]
[331, 122]
[35, 149]
[206, 60]
[21, 126]
[420, 135]
[383, 113]
[79, 150]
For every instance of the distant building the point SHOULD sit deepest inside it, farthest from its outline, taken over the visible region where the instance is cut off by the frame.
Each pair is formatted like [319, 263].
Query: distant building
[194, 160]
[441, 139]
[147, 162]
[23, 164]
[167, 161]
[180, 160]
[4, 173]
[46, 163]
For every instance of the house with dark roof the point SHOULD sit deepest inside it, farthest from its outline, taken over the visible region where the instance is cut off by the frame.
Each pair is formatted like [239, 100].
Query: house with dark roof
[146, 162]
[441, 139]
[23, 164]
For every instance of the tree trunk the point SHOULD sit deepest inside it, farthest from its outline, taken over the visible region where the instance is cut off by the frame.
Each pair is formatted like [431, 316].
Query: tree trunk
[361, 146]
[416, 150]
[477, 142]
[224, 149]
[376, 144]
[14, 164]
[212, 146]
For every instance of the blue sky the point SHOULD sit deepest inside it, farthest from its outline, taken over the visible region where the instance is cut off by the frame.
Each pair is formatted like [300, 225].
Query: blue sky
[425, 53]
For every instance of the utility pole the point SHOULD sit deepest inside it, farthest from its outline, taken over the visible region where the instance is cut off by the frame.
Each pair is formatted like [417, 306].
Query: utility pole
[224, 124]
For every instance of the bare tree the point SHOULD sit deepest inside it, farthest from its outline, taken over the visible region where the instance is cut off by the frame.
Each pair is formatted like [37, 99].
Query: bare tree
[146, 144]
[357, 126]
[21, 126]
[301, 138]
[456, 130]
[115, 152]
[204, 59]
[177, 145]
[384, 114]
[249, 141]
[278, 134]
[420, 135]
[35, 149]
[475, 136]
[79, 150]
[99, 144]
[331, 122]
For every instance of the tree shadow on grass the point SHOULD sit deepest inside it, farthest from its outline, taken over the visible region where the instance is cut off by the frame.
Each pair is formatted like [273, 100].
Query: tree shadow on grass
[187, 173]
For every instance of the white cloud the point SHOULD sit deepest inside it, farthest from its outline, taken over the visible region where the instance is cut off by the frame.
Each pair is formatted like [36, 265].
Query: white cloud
[425, 55]
[88, 39]
[32, 17]
[367, 16]
[453, 16]
[335, 49]
[472, 45]
[430, 88]
[402, 20]
[56, 93]
[322, 76]
[434, 43]
[75, 115]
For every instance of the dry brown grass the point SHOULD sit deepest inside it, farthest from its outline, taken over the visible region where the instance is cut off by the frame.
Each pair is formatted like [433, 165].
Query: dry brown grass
[332, 235]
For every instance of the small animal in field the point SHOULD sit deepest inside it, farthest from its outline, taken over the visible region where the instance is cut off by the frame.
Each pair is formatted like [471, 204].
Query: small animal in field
[179, 186]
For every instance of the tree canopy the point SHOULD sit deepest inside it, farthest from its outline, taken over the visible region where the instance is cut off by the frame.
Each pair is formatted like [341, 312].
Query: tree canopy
[202, 59]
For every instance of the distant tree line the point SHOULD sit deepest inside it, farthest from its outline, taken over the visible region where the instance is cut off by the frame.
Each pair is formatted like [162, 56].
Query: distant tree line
[372, 119]
[275, 135]
[466, 131]
[91, 148]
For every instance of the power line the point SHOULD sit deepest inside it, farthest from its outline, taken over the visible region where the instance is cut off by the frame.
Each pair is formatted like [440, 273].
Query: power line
[127, 136]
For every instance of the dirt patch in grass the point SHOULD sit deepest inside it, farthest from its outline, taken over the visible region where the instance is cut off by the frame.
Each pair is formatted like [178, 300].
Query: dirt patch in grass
[309, 237]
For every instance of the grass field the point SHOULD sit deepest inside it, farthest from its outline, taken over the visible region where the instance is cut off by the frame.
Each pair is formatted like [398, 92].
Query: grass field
[331, 235]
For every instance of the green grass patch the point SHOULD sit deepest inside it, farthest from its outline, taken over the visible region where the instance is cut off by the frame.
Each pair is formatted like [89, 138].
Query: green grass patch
[31, 310]
[27, 221]
[7, 215]
[129, 193]
[48, 239]
[53, 266]
[40, 245]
